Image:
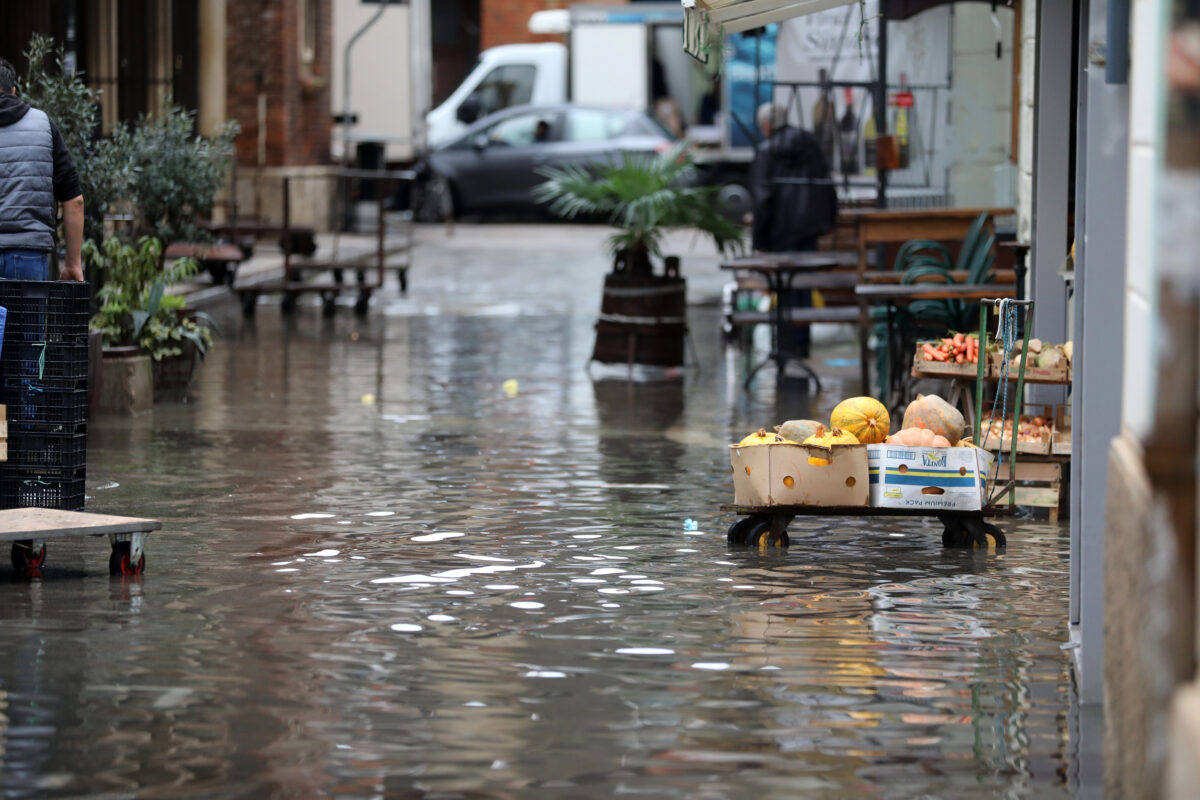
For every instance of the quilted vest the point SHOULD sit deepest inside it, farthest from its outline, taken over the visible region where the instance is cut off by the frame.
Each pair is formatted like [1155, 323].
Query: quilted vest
[27, 183]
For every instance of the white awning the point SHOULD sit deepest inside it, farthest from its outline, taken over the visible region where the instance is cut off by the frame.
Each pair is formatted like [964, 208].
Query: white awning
[702, 17]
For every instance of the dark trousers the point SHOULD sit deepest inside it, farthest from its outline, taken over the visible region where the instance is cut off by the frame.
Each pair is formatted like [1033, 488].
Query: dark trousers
[797, 339]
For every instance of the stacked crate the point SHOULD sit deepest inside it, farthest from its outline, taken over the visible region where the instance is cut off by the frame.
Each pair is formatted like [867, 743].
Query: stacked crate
[43, 383]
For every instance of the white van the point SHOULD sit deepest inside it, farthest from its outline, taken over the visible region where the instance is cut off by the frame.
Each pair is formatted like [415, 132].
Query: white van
[508, 75]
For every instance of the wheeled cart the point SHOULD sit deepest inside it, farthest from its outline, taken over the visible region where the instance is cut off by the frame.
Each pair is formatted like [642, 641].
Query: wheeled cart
[766, 526]
[30, 528]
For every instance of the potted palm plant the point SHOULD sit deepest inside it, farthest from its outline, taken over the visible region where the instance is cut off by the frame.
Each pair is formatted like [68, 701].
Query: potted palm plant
[642, 316]
[147, 332]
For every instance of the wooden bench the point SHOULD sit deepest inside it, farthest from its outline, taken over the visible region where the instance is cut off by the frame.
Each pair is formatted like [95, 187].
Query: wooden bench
[220, 259]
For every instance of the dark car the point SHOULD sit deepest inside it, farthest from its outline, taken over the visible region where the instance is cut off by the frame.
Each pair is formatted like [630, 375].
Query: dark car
[491, 167]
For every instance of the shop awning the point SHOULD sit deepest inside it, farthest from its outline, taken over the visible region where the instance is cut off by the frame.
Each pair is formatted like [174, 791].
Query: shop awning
[705, 17]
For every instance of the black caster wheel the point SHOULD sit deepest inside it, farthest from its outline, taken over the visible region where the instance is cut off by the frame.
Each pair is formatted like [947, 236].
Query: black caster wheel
[339, 277]
[288, 306]
[328, 305]
[402, 275]
[120, 562]
[954, 534]
[249, 303]
[995, 535]
[737, 531]
[362, 304]
[27, 561]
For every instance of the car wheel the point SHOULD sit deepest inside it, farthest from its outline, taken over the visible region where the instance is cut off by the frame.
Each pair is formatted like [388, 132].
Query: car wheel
[437, 200]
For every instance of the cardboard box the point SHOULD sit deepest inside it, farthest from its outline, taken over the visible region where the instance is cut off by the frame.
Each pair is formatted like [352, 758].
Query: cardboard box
[1041, 447]
[1060, 374]
[784, 475]
[933, 478]
[948, 369]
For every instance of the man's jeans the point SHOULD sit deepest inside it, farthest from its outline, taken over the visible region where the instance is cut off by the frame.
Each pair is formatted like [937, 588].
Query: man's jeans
[24, 265]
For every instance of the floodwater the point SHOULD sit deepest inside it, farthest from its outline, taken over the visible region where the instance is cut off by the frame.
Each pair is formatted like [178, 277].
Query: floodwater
[382, 575]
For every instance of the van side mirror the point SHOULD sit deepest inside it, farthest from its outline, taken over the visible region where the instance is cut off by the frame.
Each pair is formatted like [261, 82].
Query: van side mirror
[480, 141]
[468, 110]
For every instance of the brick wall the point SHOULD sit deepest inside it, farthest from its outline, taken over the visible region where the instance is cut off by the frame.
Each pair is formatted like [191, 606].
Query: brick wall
[507, 21]
[263, 50]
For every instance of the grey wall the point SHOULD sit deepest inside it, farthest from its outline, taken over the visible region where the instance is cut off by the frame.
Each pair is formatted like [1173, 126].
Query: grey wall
[1100, 203]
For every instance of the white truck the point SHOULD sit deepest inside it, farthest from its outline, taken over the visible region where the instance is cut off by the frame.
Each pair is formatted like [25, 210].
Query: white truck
[959, 129]
[594, 69]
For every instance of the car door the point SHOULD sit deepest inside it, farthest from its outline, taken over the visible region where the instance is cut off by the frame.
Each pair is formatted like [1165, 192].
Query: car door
[589, 137]
[508, 154]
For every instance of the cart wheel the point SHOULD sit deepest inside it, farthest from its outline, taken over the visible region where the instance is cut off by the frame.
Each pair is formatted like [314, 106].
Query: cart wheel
[328, 304]
[737, 531]
[995, 535]
[954, 534]
[764, 541]
[249, 303]
[402, 274]
[288, 306]
[119, 562]
[363, 303]
[26, 561]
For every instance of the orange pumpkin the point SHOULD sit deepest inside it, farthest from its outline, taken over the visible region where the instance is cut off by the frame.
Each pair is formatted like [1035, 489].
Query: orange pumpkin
[832, 438]
[918, 437]
[932, 412]
[865, 418]
[762, 437]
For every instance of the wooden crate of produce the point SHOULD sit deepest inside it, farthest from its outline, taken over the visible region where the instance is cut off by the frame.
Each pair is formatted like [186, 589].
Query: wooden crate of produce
[1035, 432]
[927, 361]
[1041, 483]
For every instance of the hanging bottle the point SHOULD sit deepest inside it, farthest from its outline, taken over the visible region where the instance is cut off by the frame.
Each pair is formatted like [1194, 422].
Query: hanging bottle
[849, 136]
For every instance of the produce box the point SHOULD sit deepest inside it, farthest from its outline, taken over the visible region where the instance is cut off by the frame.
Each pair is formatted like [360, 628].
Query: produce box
[1035, 432]
[787, 474]
[1061, 441]
[1058, 374]
[949, 368]
[934, 478]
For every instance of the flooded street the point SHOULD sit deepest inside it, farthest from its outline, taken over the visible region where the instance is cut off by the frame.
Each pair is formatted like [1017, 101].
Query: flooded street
[383, 576]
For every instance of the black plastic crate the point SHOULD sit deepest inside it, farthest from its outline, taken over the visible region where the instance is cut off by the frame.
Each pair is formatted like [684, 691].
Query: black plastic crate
[43, 406]
[62, 489]
[43, 360]
[45, 311]
[29, 450]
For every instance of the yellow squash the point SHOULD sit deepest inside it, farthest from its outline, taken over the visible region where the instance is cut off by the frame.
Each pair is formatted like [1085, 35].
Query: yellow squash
[863, 417]
[830, 438]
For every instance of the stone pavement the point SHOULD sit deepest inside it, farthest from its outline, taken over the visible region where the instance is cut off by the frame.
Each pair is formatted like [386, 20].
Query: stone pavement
[500, 262]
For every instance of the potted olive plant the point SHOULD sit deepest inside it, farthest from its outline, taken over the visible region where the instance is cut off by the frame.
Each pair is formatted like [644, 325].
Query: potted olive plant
[145, 329]
[642, 315]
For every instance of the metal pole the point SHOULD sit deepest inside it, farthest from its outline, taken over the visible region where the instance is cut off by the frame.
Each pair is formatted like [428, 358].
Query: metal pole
[881, 106]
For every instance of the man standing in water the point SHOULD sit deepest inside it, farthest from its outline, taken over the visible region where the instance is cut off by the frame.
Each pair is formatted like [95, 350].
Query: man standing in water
[35, 171]
[794, 199]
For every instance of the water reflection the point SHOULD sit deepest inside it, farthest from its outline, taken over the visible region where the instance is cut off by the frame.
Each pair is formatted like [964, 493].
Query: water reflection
[454, 592]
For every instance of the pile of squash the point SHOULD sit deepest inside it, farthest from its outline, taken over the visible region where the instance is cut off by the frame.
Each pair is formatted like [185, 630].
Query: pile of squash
[929, 421]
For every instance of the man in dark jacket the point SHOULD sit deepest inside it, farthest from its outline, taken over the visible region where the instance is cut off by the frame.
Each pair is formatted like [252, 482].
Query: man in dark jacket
[35, 171]
[794, 199]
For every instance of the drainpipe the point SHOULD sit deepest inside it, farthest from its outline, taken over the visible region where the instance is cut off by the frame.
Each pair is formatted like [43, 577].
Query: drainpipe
[346, 81]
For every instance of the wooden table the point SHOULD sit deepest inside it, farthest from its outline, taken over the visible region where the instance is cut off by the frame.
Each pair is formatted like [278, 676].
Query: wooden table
[893, 295]
[884, 226]
[29, 529]
[784, 273]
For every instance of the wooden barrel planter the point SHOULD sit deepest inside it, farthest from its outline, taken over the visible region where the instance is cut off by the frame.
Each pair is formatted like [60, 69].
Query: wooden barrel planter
[643, 320]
